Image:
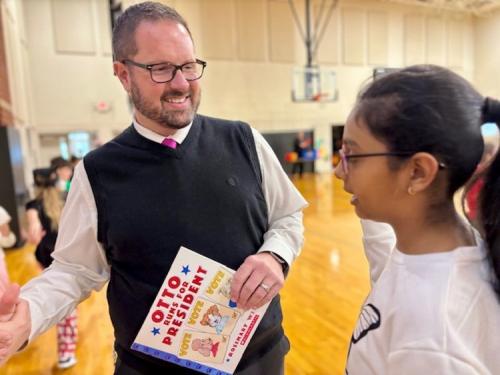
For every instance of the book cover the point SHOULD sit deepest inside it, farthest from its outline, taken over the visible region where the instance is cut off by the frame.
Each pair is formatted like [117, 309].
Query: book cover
[192, 321]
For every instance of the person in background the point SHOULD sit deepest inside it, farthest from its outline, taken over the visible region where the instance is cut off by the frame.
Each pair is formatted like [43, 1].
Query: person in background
[74, 160]
[300, 145]
[7, 239]
[64, 171]
[43, 216]
[173, 178]
[411, 141]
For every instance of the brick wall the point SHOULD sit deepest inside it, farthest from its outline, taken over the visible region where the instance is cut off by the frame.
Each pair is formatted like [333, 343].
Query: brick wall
[5, 111]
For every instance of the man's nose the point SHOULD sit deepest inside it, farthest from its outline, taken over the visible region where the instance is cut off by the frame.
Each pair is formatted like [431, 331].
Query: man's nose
[179, 81]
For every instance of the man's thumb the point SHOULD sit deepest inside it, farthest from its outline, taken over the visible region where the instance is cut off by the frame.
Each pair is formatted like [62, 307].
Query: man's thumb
[9, 299]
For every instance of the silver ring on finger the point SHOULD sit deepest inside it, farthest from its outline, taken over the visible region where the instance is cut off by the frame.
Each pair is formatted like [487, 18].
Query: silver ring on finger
[265, 287]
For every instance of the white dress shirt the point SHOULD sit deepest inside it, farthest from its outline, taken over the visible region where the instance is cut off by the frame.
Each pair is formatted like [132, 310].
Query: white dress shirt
[80, 264]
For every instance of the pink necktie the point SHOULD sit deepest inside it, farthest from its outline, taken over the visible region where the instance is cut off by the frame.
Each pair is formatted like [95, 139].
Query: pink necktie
[168, 142]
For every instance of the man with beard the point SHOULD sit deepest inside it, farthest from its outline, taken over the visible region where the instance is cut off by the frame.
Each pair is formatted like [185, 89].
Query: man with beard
[172, 178]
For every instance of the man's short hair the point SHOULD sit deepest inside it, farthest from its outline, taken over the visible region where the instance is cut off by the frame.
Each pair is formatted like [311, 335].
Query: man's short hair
[124, 44]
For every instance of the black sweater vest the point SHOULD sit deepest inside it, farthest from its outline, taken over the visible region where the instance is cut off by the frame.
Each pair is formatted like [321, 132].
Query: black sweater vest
[205, 195]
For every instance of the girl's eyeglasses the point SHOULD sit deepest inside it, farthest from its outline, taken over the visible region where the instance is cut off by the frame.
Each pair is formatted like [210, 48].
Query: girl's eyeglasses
[344, 159]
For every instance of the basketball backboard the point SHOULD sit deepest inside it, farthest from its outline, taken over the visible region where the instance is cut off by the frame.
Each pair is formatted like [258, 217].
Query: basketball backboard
[314, 84]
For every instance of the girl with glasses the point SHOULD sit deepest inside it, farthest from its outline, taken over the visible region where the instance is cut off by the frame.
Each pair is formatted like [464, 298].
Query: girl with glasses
[413, 139]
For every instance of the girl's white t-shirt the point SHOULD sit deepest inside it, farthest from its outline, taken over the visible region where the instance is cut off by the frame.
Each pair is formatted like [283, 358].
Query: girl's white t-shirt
[426, 314]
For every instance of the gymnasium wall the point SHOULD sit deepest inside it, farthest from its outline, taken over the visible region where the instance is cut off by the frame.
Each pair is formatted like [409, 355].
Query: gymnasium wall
[251, 47]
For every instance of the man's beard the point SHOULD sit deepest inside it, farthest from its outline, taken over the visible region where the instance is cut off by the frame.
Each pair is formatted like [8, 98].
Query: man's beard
[170, 119]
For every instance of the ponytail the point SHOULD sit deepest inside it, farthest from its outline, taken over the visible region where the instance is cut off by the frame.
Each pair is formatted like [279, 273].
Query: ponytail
[490, 198]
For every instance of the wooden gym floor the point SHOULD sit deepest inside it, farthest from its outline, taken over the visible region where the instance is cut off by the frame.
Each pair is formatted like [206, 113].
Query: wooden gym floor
[321, 297]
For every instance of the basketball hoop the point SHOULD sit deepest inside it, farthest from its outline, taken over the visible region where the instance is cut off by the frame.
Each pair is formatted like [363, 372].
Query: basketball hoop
[319, 97]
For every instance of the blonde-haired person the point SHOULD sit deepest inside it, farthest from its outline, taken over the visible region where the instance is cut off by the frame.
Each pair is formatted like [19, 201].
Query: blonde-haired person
[7, 239]
[43, 214]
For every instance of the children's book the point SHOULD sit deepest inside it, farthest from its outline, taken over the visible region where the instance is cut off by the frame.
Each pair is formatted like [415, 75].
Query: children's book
[193, 323]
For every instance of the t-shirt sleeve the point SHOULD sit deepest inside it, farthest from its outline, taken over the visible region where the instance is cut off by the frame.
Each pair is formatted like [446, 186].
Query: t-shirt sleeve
[32, 205]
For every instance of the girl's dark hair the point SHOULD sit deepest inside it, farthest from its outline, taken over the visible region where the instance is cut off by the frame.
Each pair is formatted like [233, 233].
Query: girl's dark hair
[426, 108]
[490, 197]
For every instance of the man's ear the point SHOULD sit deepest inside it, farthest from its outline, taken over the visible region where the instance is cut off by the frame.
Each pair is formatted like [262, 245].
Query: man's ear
[423, 168]
[123, 74]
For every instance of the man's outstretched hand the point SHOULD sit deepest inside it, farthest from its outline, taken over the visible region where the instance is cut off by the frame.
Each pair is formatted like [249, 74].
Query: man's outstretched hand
[8, 302]
[15, 322]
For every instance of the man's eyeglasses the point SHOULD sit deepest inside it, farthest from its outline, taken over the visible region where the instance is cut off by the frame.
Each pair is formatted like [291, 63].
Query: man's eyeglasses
[165, 72]
[344, 159]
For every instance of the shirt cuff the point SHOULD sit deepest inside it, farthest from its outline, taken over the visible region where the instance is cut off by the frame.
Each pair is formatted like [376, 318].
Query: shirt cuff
[34, 313]
[278, 247]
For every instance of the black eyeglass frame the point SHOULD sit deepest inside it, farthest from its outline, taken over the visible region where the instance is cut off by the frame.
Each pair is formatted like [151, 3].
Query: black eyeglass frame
[345, 158]
[150, 67]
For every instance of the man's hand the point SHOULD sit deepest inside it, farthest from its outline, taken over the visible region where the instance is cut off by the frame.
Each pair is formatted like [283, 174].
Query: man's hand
[15, 322]
[8, 302]
[257, 281]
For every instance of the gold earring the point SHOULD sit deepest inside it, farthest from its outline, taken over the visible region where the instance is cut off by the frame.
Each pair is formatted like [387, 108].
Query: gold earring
[411, 191]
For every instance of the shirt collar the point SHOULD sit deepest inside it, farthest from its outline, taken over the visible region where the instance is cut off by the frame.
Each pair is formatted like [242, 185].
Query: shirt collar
[179, 136]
